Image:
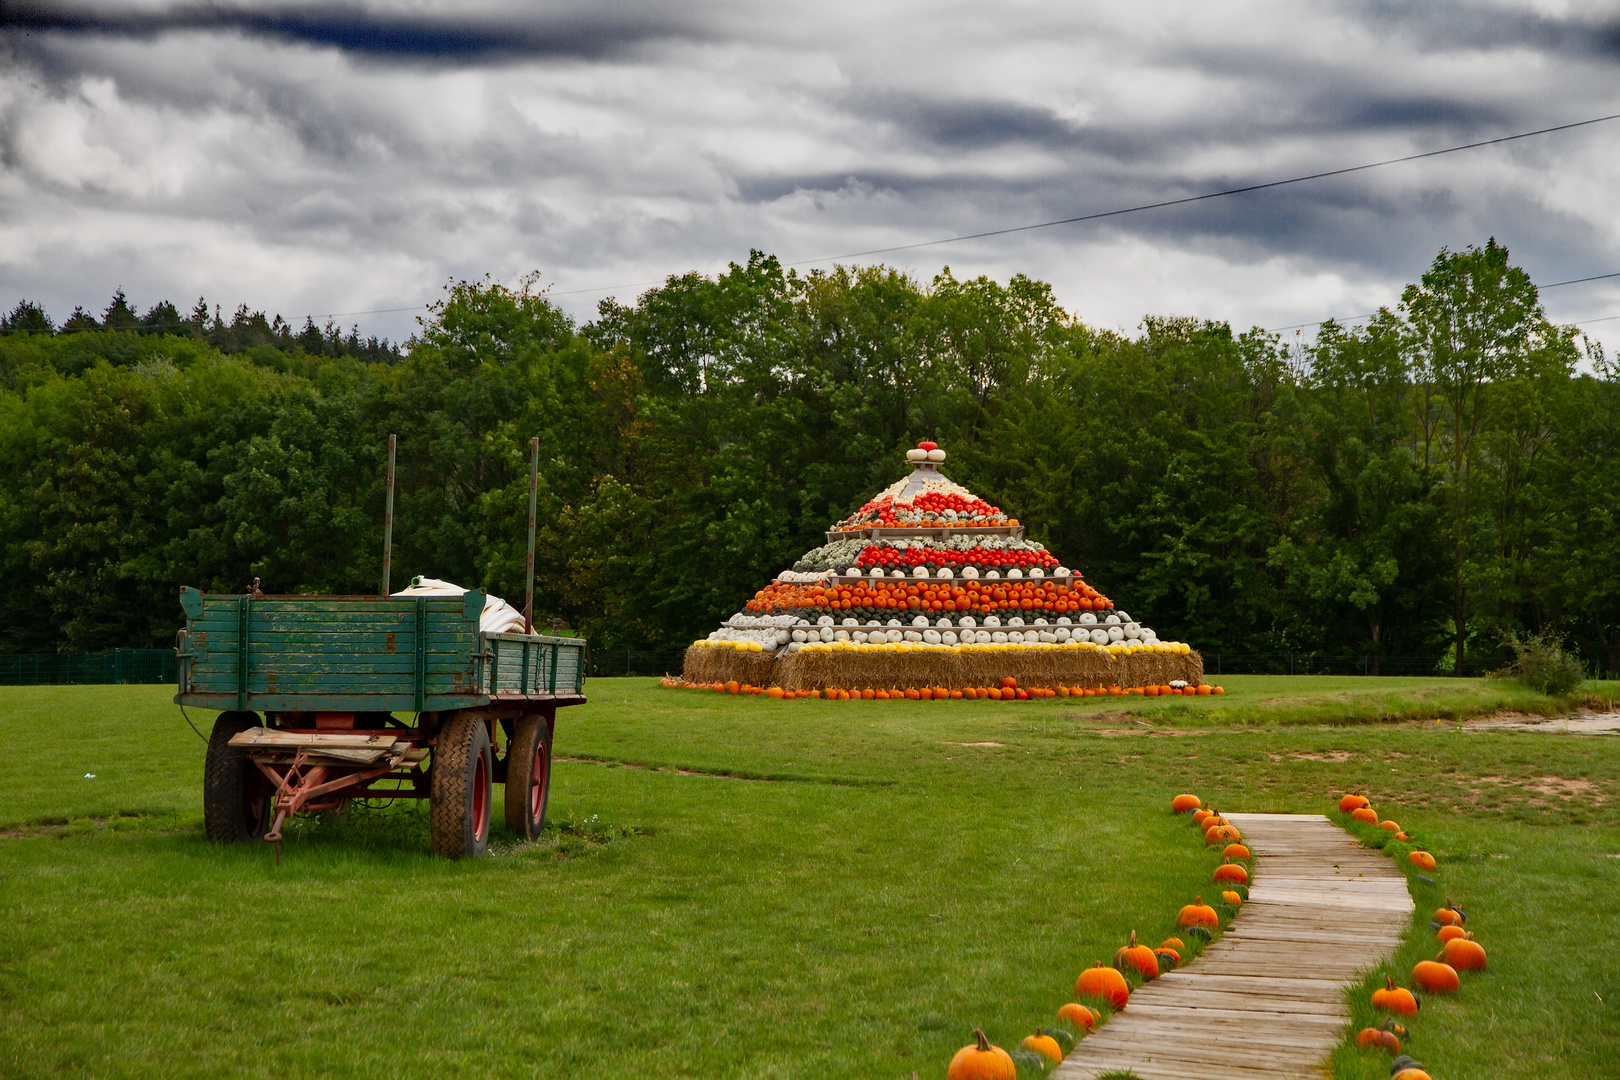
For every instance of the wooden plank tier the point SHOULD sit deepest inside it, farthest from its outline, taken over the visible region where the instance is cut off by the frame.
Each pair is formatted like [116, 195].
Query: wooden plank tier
[1322, 910]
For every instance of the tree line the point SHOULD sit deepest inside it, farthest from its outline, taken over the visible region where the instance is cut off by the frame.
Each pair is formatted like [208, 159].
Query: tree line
[1427, 484]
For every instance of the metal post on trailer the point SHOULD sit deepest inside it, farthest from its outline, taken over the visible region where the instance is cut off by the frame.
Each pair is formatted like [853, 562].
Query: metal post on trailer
[534, 488]
[388, 516]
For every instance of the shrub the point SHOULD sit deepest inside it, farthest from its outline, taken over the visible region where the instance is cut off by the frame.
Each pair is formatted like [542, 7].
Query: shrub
[1543, 662]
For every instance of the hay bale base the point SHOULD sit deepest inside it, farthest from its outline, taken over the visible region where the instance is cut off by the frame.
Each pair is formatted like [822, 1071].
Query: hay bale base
[1090, 669]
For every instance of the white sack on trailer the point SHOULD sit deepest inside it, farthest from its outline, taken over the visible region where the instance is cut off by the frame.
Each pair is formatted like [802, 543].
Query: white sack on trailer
[499, 617]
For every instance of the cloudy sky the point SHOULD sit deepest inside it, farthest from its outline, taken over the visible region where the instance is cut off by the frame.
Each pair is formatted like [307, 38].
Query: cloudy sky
[349, 157]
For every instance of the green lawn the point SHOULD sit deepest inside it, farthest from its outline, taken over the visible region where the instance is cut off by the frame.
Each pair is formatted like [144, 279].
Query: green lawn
[746, 888]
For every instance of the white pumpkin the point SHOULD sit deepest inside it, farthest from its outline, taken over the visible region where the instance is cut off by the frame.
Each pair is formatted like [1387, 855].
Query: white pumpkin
[999, 638]
[1099, 636]
[1132, 631]
[1016, 620]
[920, 571]
[1116, 633]
[912, 635]
[916, 454]
[825, 620]
[936, 455]
[992, 620]
[1062, 633]
[945, 572]
[943, 621]
[1036, 571]
[966, 620]
[931, 636]
[970, 571]
[1088, 618]
[1015, 573]
[920, 621]
[992, 575]
[1016, 637]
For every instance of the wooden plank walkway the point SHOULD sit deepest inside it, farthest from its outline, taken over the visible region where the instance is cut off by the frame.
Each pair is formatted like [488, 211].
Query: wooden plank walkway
[1321, 911]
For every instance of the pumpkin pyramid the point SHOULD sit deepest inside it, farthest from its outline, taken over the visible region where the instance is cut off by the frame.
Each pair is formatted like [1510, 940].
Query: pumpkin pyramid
[928, 589]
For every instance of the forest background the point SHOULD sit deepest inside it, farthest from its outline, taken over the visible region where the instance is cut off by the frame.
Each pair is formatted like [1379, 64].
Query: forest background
[1426, 484]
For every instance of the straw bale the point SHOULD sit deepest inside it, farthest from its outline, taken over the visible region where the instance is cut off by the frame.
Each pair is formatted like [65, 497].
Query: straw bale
[711, 665]
[928, 667]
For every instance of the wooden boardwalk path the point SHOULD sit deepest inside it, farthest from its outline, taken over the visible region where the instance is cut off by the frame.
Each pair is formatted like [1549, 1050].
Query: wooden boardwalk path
[1265, 1001]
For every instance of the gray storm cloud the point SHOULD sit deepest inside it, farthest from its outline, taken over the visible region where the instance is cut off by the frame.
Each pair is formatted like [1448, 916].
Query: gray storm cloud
[337, 158]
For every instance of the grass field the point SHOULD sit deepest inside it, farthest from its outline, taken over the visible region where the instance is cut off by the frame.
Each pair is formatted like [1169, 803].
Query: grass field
[743, 888]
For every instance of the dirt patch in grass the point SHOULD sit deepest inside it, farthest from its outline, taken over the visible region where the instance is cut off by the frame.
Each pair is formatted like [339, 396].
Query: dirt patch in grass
[1151, 733]
[1317, 755]
[949, 743]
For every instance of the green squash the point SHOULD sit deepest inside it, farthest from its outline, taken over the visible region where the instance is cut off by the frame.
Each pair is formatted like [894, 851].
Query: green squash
[1065, 1040]
[1029, 1062]
[1200, 932]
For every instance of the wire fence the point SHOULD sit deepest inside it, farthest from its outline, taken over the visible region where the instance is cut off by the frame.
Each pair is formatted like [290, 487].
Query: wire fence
[66, 669]
[611, 663]
[158, 665]
[1219, 663]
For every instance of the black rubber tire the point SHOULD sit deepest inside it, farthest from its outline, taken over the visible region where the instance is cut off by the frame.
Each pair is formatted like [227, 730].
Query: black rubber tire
[528, 776]
[236, 796]
[460, 810]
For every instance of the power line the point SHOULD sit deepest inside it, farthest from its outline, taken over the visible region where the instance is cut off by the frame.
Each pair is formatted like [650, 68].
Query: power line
[1119, 212]
[1213, 194]
[1370, 314]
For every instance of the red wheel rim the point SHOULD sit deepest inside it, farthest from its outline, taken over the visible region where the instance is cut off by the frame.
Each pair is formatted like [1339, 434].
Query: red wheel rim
[537, 784]
[480, 805]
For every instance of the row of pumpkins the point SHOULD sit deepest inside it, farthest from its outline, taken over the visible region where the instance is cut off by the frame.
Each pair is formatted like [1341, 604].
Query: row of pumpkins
[1009, 690]
[1459, 952]
[1108, 985]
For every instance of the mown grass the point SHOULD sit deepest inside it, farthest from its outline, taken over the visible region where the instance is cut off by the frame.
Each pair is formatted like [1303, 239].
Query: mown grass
[756, 889]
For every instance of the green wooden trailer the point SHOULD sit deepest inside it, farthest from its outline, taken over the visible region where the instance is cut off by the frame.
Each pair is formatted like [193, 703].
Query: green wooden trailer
[310, 692]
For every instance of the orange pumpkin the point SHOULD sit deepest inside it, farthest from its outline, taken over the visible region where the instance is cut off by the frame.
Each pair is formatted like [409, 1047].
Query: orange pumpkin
[1464, 953]
[1395, 999]
[1138, 957]
[1198, 913]
[1421, 859]
[1044, 1045]
[1232, 898]
[1182, 804]
[1365, 813]
[1078, 1015]
[1450, 915]
[1171, 951]
[1221, 834]
[980, 1061]
[1199, 817]
[1435, 977]
[1105, 983]
[1377, 1038]
[1236, 852]
[1411, 1073]
[1353, 802]
[1389, 826]
[1231, 871]
[1446, 933]
[1173, 943]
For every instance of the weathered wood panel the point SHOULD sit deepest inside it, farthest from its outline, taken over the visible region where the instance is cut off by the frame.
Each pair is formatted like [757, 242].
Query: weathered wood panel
[1316, 894]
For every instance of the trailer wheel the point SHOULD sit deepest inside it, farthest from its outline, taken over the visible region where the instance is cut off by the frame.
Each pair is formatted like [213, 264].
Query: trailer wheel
[459, 822]
[528, 776]
[236, 796]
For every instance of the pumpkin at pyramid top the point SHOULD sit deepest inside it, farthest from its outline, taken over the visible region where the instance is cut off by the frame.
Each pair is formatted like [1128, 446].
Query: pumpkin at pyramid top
[931, 572]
